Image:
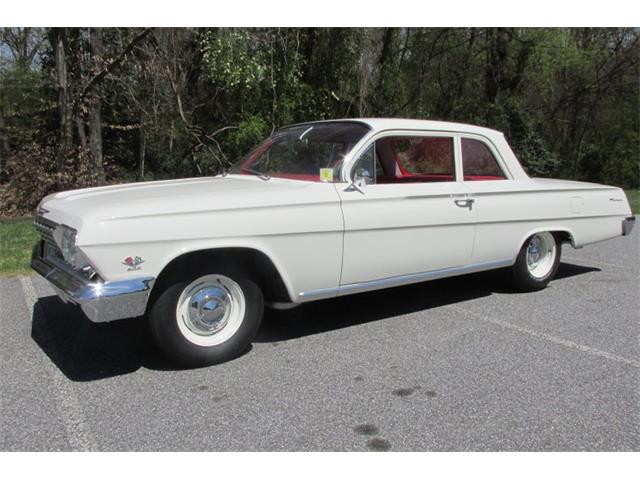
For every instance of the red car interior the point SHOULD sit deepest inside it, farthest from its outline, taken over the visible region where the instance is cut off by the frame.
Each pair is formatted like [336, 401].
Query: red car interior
[413, 160]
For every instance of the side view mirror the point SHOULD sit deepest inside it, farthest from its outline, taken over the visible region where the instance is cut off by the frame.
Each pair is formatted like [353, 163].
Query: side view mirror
[362, 177]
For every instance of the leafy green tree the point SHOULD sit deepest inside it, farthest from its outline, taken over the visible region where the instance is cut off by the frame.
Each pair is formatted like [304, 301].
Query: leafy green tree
[121, 104]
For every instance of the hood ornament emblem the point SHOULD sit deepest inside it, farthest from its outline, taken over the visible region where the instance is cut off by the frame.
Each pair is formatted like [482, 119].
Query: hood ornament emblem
[133, 263]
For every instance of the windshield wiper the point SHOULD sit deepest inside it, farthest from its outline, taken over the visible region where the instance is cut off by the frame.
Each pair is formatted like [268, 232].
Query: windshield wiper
[260, 175]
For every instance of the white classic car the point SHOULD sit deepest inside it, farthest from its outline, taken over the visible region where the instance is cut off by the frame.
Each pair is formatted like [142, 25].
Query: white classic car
[317, 210]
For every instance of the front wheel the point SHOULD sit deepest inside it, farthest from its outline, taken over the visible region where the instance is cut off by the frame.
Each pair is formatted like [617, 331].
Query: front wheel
[209, 320]
[537, 262]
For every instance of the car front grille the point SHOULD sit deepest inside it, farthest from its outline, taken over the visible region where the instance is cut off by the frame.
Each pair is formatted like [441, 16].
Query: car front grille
[46, 228]
[50, 251]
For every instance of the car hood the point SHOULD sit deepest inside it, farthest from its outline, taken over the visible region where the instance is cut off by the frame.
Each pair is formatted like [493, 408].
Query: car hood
[171, 197]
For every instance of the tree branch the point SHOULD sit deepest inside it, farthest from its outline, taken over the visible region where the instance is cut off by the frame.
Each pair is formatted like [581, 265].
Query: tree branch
[111, 66]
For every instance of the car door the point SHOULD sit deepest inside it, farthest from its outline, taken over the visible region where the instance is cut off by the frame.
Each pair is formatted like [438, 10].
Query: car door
[500, 205]
[411, 217]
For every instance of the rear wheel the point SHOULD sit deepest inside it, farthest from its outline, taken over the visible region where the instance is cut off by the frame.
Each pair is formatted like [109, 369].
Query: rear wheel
[210, 319]
[537, 262]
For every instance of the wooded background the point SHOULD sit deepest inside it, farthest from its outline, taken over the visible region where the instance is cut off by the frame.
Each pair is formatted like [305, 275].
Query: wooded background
[89, 106]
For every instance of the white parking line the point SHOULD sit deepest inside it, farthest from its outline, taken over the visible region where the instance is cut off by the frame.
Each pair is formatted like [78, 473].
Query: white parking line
[550, 338]
[78, 433]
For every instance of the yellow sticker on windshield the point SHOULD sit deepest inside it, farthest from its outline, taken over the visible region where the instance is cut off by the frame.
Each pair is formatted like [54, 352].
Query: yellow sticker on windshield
[326, 174]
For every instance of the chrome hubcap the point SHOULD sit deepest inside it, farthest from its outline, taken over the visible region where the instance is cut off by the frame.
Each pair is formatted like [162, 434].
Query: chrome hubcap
[533, 252]
[541, 253]
[210, 310]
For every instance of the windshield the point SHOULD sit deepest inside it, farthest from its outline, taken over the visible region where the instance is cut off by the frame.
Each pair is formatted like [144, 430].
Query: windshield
[313, 152]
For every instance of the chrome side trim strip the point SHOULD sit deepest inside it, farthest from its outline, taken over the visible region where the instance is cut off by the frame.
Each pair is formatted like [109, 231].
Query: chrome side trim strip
[320, 293]
[486, 222]
[428, 196]
[404, 279]
[538, 190]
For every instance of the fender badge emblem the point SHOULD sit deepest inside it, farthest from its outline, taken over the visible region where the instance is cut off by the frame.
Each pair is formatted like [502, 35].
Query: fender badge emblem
[133, 263]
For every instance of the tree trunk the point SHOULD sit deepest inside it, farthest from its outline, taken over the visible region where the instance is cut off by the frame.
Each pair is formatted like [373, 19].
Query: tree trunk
[142, 147]
[95, 139]
[82, 132]
[171, 137]
[307, 69]
[4, 142]
[387, 45]
[94, 107]
[4, 139]
[58, 38]
[497, 44]
[383, 98]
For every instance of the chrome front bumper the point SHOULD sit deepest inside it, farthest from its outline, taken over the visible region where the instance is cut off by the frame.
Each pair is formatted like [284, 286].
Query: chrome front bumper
[627, 225]
[100, 301]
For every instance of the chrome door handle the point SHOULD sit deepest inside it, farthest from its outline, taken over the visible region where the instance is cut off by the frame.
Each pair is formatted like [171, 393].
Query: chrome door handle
[464, 202]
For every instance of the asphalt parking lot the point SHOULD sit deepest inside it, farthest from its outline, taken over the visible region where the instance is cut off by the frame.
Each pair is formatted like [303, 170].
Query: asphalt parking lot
[456, 364]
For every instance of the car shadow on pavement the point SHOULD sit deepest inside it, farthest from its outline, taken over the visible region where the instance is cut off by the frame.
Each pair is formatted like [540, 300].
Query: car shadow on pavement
[567, 270]
[86, 351]
[343, 312]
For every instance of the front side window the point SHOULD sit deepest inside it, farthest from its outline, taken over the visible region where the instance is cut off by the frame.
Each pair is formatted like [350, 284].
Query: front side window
[478, 163]
[410, 159]
[312, 152]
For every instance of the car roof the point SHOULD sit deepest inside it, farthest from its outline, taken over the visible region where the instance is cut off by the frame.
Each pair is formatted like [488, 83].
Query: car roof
[380, 124]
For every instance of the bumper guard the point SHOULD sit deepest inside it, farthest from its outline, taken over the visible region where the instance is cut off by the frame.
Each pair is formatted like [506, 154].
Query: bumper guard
[627, 225]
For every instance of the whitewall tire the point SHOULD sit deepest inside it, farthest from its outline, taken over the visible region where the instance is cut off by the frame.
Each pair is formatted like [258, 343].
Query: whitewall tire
[210, 319]
[537, 262]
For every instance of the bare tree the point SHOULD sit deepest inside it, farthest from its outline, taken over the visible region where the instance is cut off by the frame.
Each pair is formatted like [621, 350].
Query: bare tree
[58, 39]
[23, 43]
[95, 105]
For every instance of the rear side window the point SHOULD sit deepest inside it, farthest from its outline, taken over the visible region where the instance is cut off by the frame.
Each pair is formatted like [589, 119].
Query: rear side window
[478, 163]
